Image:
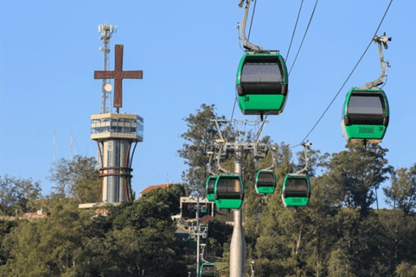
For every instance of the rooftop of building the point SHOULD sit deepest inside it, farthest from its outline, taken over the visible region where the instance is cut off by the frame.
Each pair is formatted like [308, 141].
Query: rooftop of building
[149, 188]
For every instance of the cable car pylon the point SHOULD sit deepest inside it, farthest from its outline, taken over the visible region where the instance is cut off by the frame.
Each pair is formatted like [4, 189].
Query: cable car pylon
[238, 146]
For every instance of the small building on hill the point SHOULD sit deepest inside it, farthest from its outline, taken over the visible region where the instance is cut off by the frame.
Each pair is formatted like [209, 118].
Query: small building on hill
[149, 188]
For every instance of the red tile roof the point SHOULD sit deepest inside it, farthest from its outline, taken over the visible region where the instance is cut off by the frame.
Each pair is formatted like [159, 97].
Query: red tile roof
[149, 188]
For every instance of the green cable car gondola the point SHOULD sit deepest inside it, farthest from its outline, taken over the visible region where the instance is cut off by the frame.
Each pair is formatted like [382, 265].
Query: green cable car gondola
[229, 192]
[296, 190]
[365, 115]
[208, 270]
[262, 83]
[265, 182]
[210, 188]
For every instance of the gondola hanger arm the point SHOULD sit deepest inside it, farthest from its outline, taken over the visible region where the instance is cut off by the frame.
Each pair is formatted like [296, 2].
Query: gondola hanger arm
[209, 167]
[273, 149]
[307, 159]
[218, 157]
[382, 42]
[247, 44]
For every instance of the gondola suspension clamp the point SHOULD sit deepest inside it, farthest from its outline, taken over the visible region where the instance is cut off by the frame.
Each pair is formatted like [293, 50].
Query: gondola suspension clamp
[382, 40]
[247, 44]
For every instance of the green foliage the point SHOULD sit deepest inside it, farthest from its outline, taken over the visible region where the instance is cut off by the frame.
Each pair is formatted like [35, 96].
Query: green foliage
[326, 238]
[357, 173]
[6, 227]
[406, 270]
[219, 236]
[137, 239]
[199, 139]
[77, 178]
[18, 195]
[402, 193]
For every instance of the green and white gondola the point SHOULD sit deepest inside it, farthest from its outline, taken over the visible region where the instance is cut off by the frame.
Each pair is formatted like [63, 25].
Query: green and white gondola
[229, 191]
[262, 83]
[265, 182]
[296, 190]
[365, 115]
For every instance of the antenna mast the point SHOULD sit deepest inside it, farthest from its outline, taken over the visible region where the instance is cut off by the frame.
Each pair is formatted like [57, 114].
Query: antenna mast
[106, 32]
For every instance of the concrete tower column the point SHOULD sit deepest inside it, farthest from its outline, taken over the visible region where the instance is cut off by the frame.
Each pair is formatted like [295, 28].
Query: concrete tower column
[237, 247]
[115, 135]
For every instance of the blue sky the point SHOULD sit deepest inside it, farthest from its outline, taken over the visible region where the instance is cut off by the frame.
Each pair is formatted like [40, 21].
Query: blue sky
[189, 52]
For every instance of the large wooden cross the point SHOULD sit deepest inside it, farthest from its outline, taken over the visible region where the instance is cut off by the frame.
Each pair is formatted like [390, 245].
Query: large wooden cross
[118, 75]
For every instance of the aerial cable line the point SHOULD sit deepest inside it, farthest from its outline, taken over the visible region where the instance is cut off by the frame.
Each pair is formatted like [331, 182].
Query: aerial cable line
[252, 17]
[294, 31]
[232, 114]
[356, 65]
[249, 32]
[293, 34]
[248, 37]
[304, 36]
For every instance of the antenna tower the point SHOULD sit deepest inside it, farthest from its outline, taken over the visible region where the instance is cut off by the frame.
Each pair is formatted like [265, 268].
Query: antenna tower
[106, 32]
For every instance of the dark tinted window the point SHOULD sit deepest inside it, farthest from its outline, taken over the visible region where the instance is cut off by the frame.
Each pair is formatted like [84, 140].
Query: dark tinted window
[265, 179]
[208, 269]
[366, 104]
[296, 184]
[261, 72]
[226, 184]
[211, 185]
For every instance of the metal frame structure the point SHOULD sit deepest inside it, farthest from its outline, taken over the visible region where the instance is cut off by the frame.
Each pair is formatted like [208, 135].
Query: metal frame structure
[379, 81]
[239, 147]
[106, 32]
[247, 44]
[305, 170]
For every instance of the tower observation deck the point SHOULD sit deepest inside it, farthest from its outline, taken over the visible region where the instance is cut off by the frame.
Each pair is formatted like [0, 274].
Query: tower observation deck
[115, 135]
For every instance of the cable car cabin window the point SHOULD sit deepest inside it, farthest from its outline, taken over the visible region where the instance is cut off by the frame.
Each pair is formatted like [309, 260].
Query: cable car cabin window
[366, 109]
[296, 187]
[366, 104]
[266, 179]
[211, 185]
[208, 269]
[261, 72]
[229, 188]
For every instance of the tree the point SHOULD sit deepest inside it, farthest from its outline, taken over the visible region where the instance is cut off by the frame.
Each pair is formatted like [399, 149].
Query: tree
[399, 229]
[144, 238]
[406, 270]
[77, 178]
[358, 173]
[136, 239]
[219, 235]
[402, 192]
[199, 139]
[18, 194]
[6, 227]
[47, 247]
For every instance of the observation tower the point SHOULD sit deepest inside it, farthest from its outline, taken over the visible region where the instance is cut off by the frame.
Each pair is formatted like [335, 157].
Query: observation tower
[116, 135]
